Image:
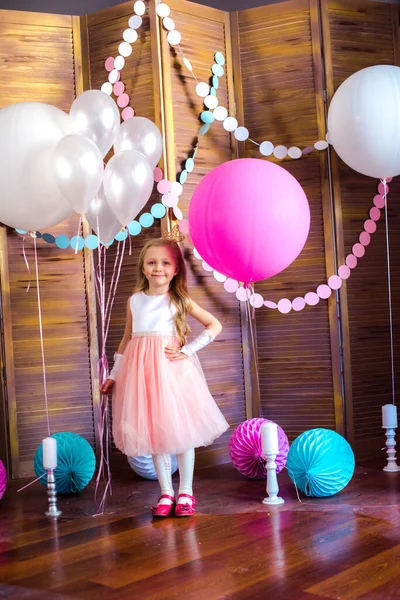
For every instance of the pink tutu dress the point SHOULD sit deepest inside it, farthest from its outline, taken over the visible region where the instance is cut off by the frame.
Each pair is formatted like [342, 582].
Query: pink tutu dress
[160, 405]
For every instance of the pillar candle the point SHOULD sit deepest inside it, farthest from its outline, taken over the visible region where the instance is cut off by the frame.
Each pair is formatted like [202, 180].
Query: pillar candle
[389, 416]
[269, 438]
[49, 445]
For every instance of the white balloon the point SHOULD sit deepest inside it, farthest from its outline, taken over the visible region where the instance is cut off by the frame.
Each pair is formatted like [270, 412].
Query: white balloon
[78, 168]
[128, 183]
[96, 116]
[364, 121]
[29, 197]
[101, 218]
[141, 134]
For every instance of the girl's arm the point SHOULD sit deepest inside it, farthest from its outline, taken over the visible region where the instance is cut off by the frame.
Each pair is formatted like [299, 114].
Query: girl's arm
[205, 318]
[108, 385]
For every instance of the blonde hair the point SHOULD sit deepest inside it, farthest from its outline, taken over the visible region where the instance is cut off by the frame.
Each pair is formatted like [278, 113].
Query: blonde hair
[178, 292]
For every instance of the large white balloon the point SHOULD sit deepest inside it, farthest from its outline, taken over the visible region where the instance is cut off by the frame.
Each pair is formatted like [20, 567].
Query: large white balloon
[141, 134]
[29, 195]
[96, 116]
[102, 219]
[78, 167]
[128, 183]
[364, 121]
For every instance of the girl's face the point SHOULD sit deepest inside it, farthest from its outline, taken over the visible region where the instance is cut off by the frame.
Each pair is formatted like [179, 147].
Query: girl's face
[159, 268]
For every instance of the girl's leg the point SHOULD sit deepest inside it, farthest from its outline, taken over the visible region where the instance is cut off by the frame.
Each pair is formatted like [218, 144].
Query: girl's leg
[186, 467]
[162, 465]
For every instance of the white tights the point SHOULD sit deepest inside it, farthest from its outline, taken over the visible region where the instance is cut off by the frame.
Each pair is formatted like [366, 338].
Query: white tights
[162, 465]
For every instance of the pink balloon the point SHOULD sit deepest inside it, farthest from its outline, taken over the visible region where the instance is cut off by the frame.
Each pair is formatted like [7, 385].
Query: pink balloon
[249, 219]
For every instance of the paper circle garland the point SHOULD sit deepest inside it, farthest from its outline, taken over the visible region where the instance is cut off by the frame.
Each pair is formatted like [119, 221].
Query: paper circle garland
[245, 449]
[76, 462]
[320, 462]
[3, 479]
[144, 466]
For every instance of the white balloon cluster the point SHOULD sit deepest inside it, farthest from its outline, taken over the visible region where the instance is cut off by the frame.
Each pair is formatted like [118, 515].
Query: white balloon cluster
[52, 164]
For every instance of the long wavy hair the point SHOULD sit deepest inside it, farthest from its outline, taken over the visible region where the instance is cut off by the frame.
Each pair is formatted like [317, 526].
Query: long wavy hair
[178, 292]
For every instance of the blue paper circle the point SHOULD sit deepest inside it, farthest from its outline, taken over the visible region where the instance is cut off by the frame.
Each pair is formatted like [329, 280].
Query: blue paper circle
[213, 92]
[217, 70]
[38, 235]
[50, 239]
[207, 116]
[144, 466]
[219, 58]
[121, 235]
[203, 130]
[146, 220]
[158, 211]
[183, 177]
[76, 463]
[21, 231]
[215, 82]
[92, 242]
[77, 242]
[134, 228]
[320, 462]
[62, 241]
[189, 165]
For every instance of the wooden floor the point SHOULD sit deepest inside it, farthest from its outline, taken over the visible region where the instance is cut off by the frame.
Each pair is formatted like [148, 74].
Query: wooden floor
[346, 547]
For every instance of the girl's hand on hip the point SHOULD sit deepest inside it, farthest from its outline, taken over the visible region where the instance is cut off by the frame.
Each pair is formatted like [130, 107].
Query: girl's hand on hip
[107, 386]
[174, 353]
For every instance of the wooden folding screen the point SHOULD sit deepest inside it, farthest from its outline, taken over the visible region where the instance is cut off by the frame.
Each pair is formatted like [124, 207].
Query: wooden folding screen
[39, 64]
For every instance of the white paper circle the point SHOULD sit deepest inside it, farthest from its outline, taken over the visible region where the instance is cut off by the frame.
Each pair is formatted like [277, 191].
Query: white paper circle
[174, 37]
[241, 134]
[176, 188]
[294, 152]
[206, 266]
[163, 10]
[202, 89]
[113, 76]
[130, 36]
[107, 88]
[266, 148]
[196, 254]
[119, 63]
[220, 113]
[125, 49]
[230, 124]
[211, 101]
[178, 213]
[135, 22]
[188, 64]
[139, 8]
[168, 24]
[321, 145]
[219, 277]
[280, 152]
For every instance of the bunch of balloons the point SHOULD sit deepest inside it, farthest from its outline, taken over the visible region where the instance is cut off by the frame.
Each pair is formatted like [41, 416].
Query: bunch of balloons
[52, 164]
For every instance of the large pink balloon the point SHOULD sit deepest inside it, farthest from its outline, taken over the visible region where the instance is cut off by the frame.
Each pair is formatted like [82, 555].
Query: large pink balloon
[249, 219]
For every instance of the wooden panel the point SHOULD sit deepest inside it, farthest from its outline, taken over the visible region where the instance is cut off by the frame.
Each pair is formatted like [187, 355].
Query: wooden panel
[37, 58]
[223, 360]
[281, 101]
[359, 34]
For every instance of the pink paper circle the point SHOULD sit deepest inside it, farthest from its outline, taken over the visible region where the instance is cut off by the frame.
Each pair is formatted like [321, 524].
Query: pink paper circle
[118, 88]
[311, 298]
[284, 306]
[123, 100]
[170, 199]
[270, 304]
[118, 77]
[231, 285]
[158, 174]
[375, 213]
[334, 282]
[298, 303]
[256, 300]
[184, 226]
[164, 186]
[109, 64]
[324, 291]
[383, 188]
[344, 272]
[127, 113]
[358, 250]
[243, 294]
[370, 226]
[379, 201]
[206, 266]
[389, 179]
[351, 261]
[364, 238]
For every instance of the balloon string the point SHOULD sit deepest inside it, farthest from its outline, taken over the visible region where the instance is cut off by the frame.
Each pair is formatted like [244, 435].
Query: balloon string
[383, 181]
[41, 337]
[294, 481]
[31, 482]
[78, 233]
[26, 262]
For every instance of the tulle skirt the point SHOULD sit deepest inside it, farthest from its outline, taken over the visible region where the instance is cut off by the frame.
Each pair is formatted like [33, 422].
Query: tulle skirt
[161, 405]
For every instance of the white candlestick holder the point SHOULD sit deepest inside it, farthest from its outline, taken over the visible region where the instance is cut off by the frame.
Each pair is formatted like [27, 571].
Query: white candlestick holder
[391, 452]
[272, 481]
[52, 495]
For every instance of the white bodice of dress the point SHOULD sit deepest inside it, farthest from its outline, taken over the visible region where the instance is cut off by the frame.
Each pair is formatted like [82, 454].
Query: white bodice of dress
[152, 314]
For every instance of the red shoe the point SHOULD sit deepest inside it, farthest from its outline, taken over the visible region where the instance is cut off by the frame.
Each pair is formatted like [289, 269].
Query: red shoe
[185, 510]
[163, 510]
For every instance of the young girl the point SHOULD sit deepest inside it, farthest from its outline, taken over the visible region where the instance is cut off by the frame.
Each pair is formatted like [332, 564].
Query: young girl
[161, 402]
